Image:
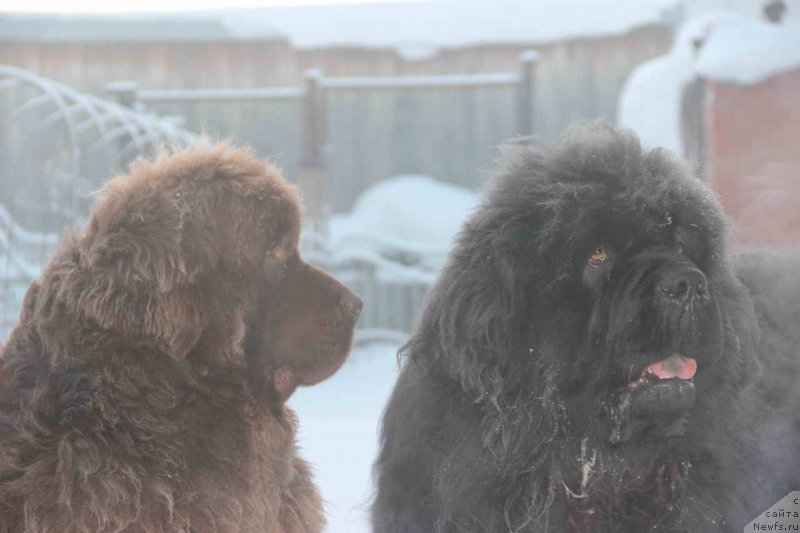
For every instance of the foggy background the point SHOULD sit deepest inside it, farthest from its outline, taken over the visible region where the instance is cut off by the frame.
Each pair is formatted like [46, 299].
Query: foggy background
[388, 115]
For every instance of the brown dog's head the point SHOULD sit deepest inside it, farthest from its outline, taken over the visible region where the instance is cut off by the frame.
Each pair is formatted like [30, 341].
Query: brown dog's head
[195, 255]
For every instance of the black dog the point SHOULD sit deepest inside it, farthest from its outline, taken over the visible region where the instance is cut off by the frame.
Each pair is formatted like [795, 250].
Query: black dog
[590, 359]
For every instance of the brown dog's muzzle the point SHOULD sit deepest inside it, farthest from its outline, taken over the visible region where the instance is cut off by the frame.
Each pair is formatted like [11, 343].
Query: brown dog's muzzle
[312, 322]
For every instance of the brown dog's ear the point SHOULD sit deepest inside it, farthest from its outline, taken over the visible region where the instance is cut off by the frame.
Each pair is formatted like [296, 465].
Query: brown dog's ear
[170, 247]
[136, 277]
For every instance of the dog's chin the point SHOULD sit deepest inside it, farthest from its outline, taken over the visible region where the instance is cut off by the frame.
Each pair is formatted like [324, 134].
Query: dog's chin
[330, 358]
[656, 406]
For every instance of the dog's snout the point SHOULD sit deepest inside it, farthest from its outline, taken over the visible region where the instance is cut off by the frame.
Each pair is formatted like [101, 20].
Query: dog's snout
[685, 283]
[344, 300]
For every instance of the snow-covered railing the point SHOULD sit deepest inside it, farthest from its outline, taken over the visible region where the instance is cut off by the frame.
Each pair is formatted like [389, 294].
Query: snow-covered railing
[382, 240]
[392, 292]
[215, 95]
[23, 249]
[57, 146]
[337, 135]
[500, 79]
[154, 96]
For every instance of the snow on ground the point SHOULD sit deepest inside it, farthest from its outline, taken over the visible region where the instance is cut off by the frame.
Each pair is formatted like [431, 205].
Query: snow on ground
[421, 232]
[338, 434]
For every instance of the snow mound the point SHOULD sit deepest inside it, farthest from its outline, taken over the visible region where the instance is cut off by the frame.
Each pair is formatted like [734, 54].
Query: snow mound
[650, 102]
[750, 52]
[651, 98]
[735, 49]
[412, 220]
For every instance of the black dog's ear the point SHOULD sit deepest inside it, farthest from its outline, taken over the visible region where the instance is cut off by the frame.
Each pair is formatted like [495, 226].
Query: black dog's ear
[473, 315]
[146, 263]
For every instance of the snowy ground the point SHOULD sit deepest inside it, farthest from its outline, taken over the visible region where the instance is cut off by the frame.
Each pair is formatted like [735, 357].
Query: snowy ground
[338, 432]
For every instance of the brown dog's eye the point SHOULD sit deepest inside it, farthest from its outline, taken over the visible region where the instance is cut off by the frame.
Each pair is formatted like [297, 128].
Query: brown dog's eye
[598, 257]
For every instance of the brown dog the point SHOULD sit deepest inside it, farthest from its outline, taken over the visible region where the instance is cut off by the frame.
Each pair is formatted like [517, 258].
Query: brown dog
[144, 387]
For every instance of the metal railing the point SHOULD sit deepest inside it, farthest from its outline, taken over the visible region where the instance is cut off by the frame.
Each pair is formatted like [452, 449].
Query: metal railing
[57, 146]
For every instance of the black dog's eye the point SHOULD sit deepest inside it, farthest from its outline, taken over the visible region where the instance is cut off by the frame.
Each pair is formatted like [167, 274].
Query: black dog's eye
[598, 256]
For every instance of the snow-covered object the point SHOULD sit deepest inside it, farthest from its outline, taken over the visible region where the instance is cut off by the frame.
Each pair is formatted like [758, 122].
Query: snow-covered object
[650, 102]
[749, 8]
[750, 52]
[734, 49]
[410, 220]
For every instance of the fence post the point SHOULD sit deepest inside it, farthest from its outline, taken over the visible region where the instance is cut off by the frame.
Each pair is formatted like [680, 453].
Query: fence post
[314, 168]
[527, 87]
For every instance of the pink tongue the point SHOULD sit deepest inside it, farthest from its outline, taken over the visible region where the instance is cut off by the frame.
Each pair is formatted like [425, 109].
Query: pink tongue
[674, 366]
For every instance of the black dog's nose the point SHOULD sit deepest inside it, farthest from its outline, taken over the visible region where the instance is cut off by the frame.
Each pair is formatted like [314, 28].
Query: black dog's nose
[685, 282]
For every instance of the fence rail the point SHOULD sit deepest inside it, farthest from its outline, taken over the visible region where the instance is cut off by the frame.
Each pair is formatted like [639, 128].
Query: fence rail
[337, 136]
[501, 79]
[154, 96]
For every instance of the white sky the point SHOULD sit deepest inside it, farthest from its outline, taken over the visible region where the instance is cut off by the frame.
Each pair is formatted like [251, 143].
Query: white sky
[162, 6]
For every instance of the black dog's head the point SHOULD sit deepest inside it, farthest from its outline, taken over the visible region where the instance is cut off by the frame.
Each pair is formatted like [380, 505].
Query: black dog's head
[583, 359]
[591, 296]
[649, 282]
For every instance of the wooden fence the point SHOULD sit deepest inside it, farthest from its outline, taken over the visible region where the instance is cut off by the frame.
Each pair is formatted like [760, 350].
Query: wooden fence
[57, 146]
[337, 136]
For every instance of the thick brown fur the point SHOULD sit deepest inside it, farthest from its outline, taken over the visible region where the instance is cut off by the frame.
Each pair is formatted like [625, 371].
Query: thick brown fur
[143, 388]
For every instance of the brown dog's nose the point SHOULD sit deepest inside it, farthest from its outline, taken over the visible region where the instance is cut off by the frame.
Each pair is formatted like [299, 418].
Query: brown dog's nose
[353, 304]
[356, 305]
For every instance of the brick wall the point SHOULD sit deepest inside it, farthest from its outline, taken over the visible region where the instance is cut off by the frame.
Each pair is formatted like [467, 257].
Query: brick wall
[753, 157]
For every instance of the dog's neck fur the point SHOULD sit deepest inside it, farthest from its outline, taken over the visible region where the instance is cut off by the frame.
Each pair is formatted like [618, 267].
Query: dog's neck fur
[147, 444]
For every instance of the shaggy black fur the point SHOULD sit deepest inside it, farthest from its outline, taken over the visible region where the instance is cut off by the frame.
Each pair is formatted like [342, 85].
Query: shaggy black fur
[517, 407]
